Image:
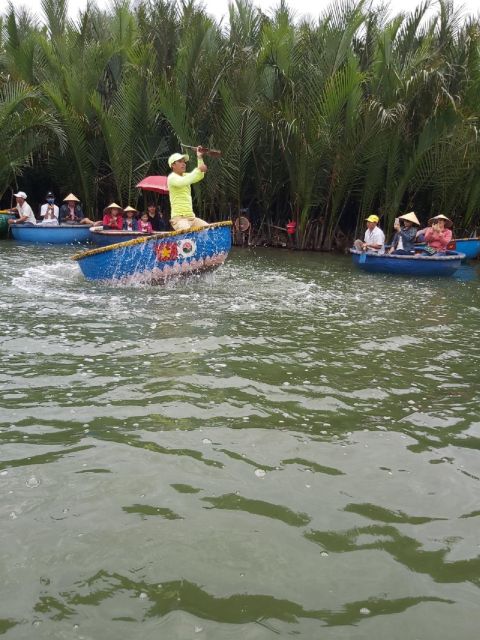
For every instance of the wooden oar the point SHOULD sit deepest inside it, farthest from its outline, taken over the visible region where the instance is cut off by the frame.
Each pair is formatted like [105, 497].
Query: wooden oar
[206, 151]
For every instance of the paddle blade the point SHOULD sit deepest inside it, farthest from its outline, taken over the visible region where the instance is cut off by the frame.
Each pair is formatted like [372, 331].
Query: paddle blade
[363, 258]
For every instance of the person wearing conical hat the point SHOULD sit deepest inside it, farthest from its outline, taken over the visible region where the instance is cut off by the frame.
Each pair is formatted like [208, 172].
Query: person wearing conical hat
[406, 227]
[130, 222]
[71, 212]
[438, 234]
[374, 239]
[112, 217]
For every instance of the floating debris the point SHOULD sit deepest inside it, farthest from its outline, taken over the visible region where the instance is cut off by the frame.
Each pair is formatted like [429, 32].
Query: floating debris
[32, 482]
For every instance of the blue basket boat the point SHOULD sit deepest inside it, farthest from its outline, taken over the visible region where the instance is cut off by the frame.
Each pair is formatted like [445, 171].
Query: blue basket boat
[469, 246]
[158, 257]
[105, 237]
[417, 265]
[61, 234]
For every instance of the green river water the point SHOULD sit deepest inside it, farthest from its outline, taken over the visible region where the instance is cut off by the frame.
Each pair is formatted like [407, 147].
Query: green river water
[285, 448]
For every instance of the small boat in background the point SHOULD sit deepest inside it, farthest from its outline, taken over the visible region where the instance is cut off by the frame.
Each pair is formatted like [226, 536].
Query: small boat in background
[5, 216]
[469, 246]
[160, 256]
[58, 234]
[407, 265]
[104, 237]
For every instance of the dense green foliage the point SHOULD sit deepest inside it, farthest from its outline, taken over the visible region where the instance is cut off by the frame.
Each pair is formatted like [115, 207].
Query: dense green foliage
[319, 121]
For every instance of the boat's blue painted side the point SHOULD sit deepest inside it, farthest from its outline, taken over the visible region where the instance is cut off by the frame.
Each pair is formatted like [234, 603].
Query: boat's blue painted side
[158, 257]
[418, 265]
[62, 234]
[469, 246]
[104, 237]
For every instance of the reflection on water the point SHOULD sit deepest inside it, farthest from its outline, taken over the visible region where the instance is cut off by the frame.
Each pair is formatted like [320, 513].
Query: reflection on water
[285, 447]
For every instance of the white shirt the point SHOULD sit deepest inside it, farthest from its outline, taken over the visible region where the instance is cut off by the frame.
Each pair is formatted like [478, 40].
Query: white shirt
[26, 210]
[44, 209]
[375, 236]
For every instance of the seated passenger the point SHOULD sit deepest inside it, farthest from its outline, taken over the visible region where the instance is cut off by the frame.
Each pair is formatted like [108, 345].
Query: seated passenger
[438, 234]
[403, 242]
[130, 222]
[112, 217]
[23, 211]
[144, 224]
[153, 216]
[374, 239]
[163, 224]
[71, 212]
[157, 218]
[49, 211]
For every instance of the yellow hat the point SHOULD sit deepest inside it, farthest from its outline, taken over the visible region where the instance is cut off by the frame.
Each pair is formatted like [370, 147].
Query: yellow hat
[372, 218]
[177, 156]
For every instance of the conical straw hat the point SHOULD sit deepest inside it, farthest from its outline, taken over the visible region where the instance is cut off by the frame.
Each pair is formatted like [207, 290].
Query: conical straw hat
[114, 205]
[448, 222]
[71, 197]
[129, 208]
[411, 217]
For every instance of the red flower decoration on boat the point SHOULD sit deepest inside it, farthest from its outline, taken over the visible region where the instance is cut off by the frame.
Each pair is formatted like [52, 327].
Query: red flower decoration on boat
[166, 251]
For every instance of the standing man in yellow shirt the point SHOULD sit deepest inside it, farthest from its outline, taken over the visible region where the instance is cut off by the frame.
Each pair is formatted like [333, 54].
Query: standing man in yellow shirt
[180, 191]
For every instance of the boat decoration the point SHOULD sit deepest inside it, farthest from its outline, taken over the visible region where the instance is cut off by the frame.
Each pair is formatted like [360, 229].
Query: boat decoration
[160, 256]
[408, 265]
[50, 234]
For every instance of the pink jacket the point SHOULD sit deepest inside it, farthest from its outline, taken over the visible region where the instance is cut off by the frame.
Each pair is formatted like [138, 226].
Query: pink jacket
[438, 239]
[145, 227]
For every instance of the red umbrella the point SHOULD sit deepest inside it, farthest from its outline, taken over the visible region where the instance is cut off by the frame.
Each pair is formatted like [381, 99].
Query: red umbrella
[154, 183]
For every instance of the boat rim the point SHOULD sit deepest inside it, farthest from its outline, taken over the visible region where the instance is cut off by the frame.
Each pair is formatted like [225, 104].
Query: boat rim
[416, 257]
[147, 238]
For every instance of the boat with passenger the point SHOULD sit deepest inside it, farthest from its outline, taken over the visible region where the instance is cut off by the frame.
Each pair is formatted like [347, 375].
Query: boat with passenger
[51, 234]
[160, 256]
[418, 264]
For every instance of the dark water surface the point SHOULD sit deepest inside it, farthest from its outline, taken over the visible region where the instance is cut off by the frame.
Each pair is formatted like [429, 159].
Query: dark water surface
[287, 447]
